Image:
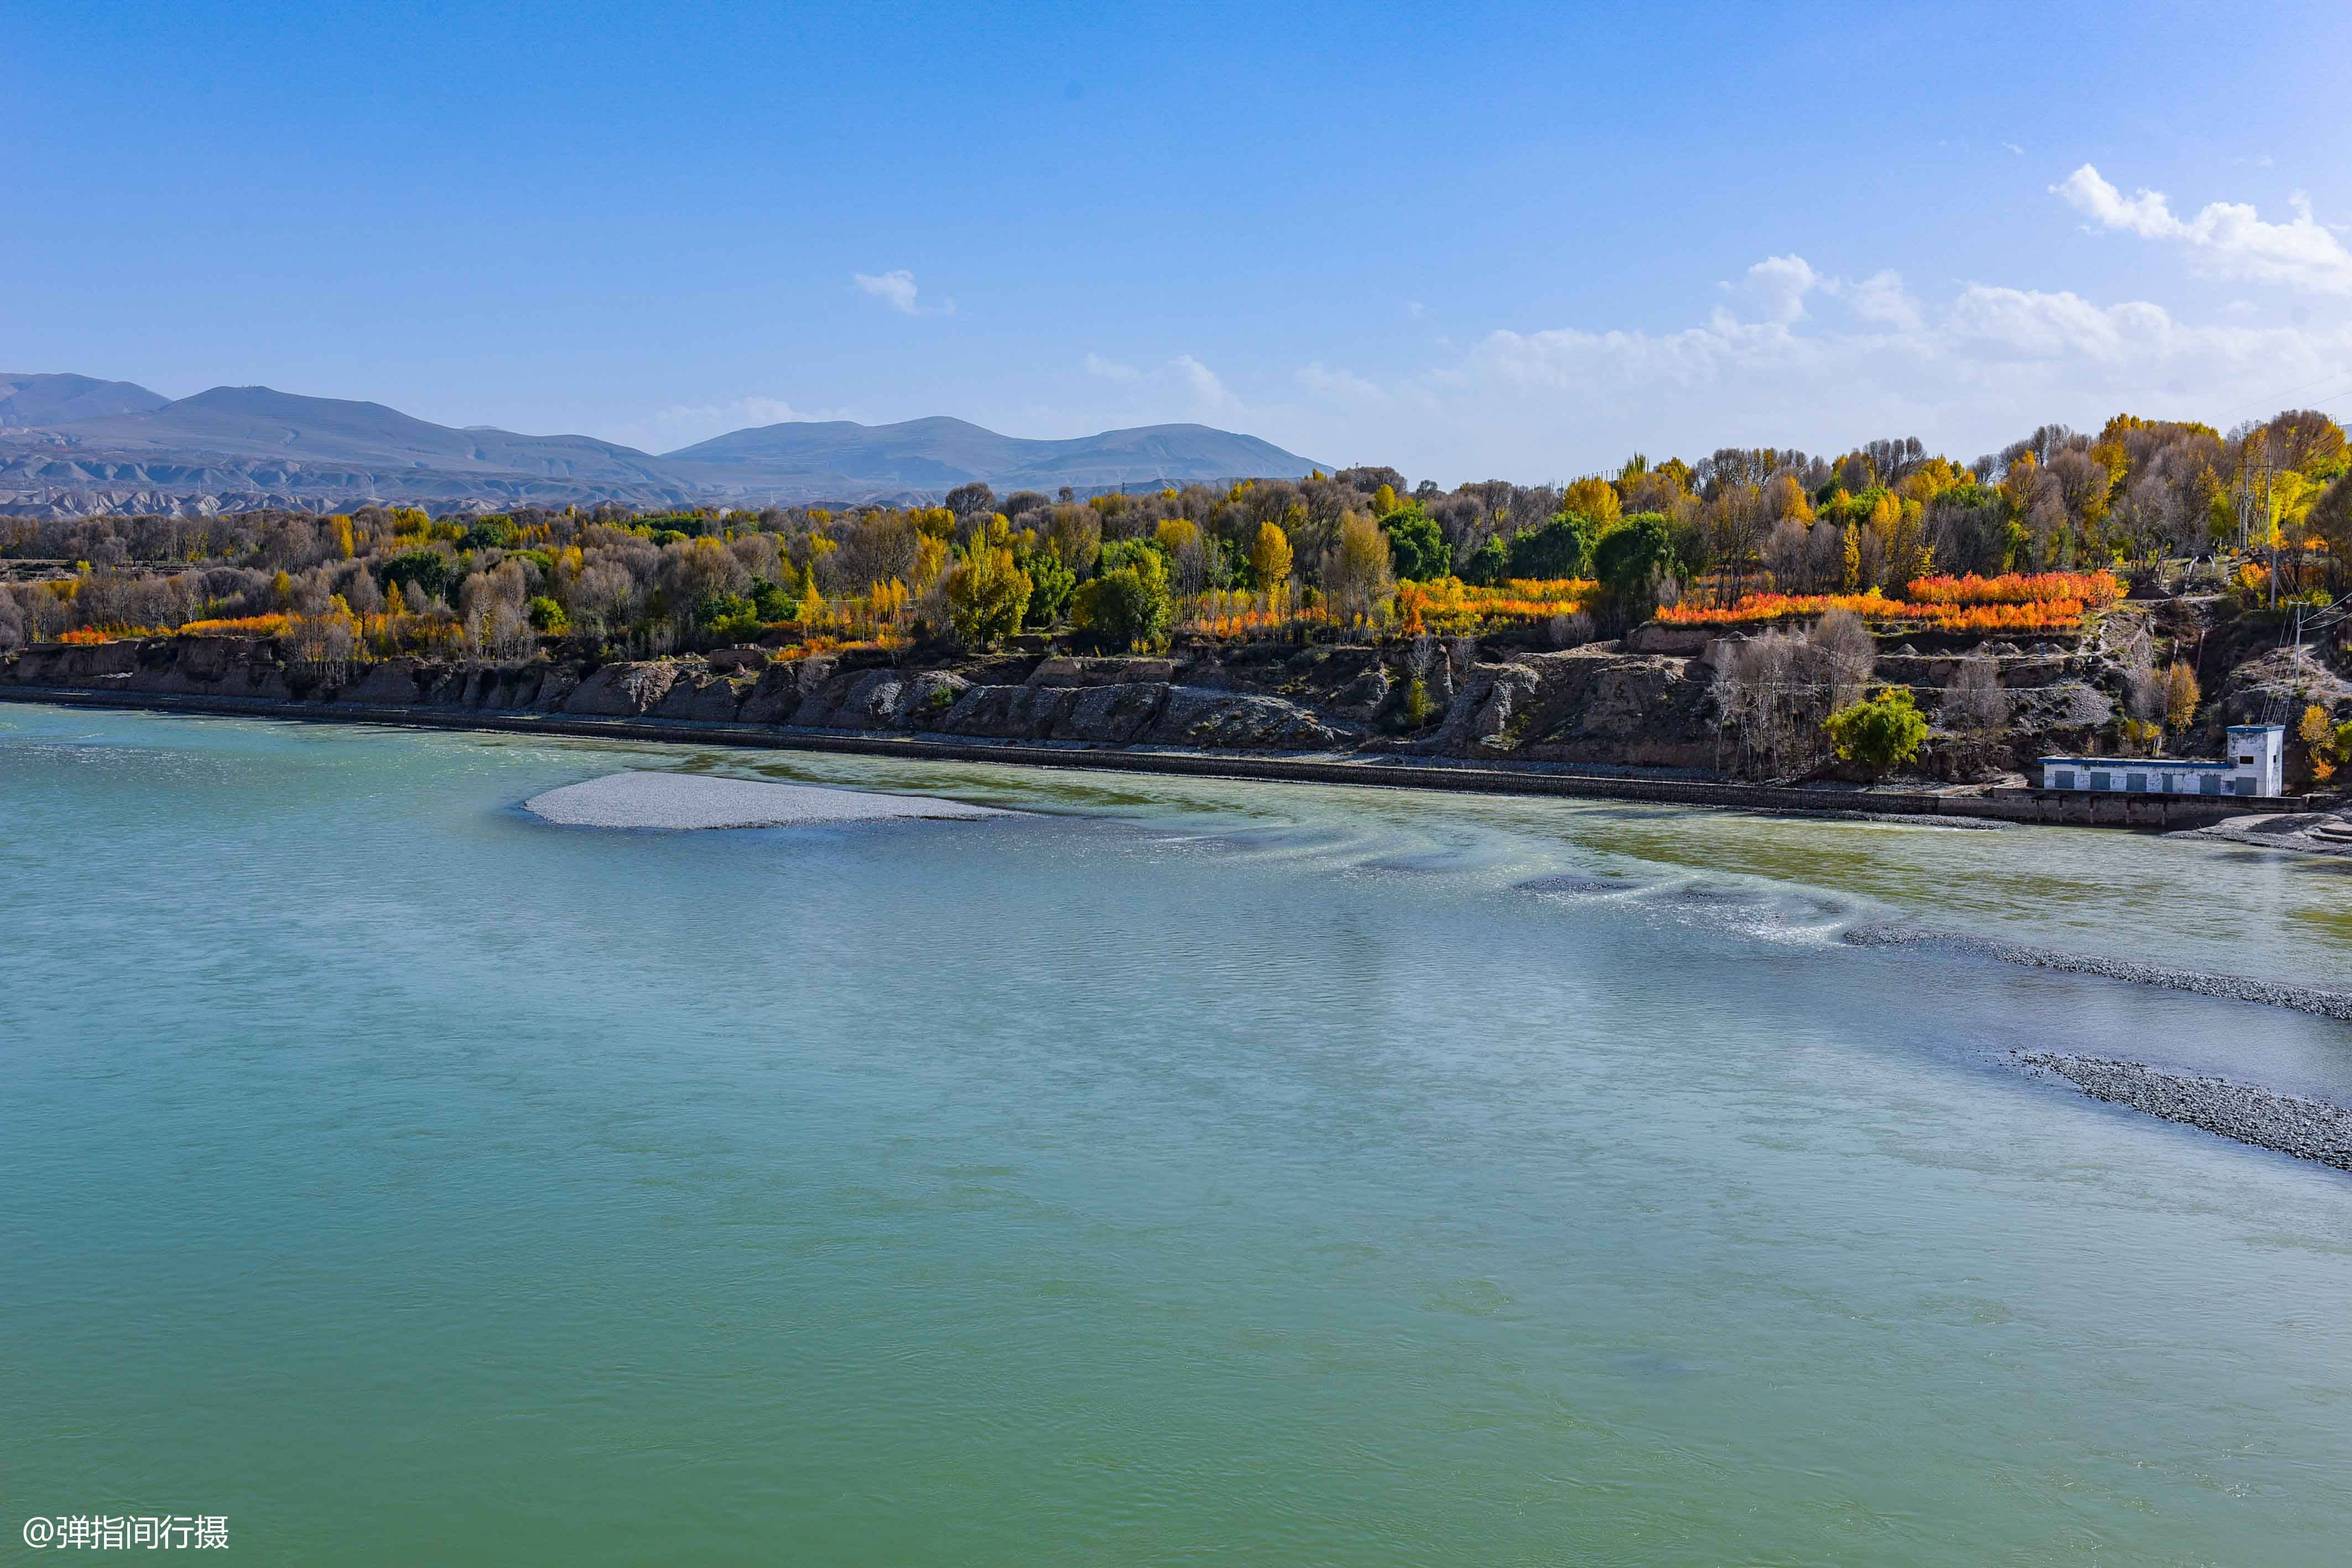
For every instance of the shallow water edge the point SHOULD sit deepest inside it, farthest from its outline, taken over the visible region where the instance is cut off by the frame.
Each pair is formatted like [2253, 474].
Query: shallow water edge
[2153, 813]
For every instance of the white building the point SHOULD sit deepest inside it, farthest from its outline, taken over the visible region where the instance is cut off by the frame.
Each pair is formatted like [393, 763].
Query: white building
[2255, 765]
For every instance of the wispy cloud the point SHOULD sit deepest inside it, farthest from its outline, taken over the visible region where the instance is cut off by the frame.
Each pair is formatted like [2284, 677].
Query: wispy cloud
[1184, 382]
[2225, 239]
[1208, 392]
[896, 289]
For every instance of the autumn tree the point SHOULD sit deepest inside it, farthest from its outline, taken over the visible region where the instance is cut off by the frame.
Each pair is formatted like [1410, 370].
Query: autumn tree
[2330, 521]
[1596, 499]
[1270, 559]
[1078, 534]
[2302, 439]
[1359, 577]
[987, 592]
[2180, 697]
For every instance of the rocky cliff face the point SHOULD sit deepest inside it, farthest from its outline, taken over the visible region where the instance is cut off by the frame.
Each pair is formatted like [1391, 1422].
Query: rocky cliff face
[1101, 702]
[1598, 705]
[1591, 705]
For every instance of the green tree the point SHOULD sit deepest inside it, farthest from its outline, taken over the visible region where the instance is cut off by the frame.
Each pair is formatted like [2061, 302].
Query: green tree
[1561, 548]
[1629, 561]
[1880, 734]
[547, 615]
[773, 602]
[1488, 566]
[1416, 544]
[493, 533]
[1127, 605]
[418, 569]
[1051, 585]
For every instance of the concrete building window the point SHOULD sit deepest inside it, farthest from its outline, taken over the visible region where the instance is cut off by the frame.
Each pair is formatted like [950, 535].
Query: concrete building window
[2103, 782]
[2064, 778]
[2135, 782]
[2212, 784]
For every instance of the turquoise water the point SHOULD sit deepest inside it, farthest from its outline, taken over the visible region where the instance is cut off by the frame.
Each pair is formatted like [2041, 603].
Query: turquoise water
[1188, 1172]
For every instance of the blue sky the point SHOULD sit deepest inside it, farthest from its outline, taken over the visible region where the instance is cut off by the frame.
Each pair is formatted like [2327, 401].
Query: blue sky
[1472, 241]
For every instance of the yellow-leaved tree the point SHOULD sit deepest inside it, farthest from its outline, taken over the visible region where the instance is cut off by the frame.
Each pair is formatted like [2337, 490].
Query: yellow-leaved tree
[1270, 561]
[987, 592]
[1595, 499]
[1359, 578]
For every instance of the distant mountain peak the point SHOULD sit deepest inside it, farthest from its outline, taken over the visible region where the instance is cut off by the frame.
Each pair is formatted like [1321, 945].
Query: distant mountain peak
[40, 399]
[938, 452]
[128, 446]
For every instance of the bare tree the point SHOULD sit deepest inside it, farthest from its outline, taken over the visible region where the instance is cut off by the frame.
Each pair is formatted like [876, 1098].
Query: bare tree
[1976, 701]
[2134, 652]
[974, 499]
[1788, 556]
[1845, 654]
[1774, 690]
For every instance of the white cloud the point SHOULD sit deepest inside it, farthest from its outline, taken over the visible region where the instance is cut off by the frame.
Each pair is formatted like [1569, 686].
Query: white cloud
[2226, 239]
[1207, 391]
[1782, 282]
[1111, 370]
[2013, 147]
[896, 289]
[1881, 298]
[1982, 366]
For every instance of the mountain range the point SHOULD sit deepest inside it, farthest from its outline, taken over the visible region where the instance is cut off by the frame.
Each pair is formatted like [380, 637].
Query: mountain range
[72, 446]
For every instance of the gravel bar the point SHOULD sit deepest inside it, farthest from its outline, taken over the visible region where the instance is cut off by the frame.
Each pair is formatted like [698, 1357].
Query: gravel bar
[2229, 987]
[2307, 1129]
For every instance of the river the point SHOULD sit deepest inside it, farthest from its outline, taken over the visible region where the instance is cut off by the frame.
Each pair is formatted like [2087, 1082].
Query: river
[1184, 1171]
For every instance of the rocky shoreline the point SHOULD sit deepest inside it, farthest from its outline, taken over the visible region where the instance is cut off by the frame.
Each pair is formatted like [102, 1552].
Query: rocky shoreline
[2228, 987]
[2311, 1130]
[2304, 833]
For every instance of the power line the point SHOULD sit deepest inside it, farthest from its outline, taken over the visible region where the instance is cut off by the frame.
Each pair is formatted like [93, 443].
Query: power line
[2276, 398]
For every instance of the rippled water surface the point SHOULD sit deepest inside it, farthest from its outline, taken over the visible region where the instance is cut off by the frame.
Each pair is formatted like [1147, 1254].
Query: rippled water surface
[1185, 1172]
